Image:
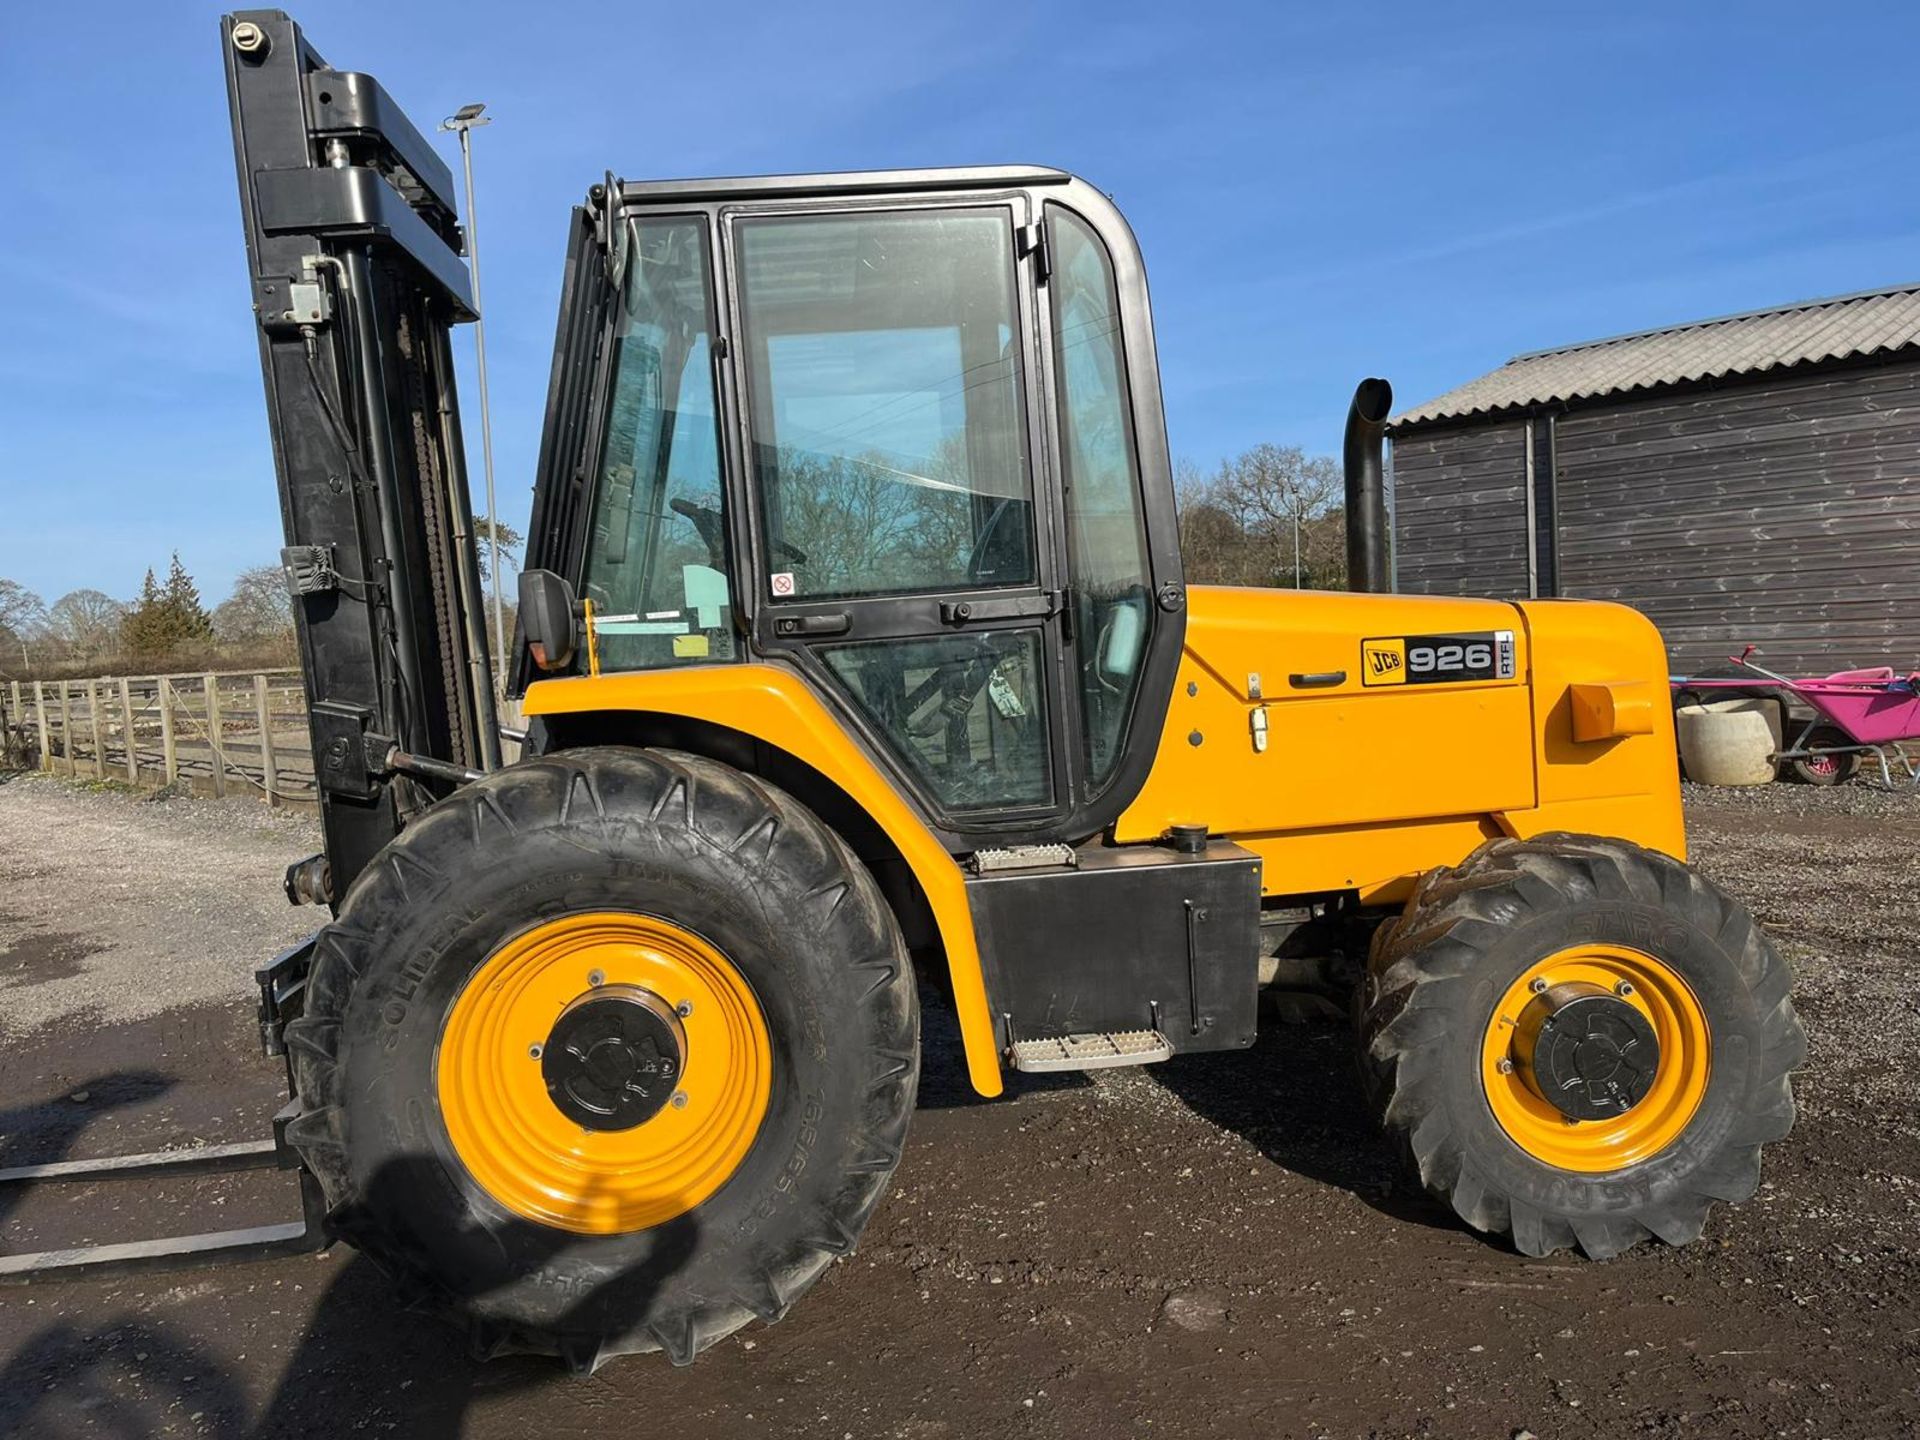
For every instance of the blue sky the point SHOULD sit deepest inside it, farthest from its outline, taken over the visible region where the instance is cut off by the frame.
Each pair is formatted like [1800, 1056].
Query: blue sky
[1322, 192]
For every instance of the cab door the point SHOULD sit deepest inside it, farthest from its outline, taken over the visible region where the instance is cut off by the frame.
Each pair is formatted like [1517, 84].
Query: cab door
[884, 355]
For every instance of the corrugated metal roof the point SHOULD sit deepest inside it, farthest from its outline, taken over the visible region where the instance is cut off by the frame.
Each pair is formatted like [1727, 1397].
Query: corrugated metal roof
[1813, 330]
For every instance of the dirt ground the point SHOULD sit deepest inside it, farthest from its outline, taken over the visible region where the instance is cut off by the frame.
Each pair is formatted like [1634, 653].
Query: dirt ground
[1210, 1247]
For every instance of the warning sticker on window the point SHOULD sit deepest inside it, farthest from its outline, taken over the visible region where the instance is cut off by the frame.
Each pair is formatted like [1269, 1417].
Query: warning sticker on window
[783, 583]
[1437, 659]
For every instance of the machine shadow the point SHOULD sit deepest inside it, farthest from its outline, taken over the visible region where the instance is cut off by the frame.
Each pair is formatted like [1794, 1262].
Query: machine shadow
[365, 1361]
[45, 1131]
[123, 1378]
[1296, 1097]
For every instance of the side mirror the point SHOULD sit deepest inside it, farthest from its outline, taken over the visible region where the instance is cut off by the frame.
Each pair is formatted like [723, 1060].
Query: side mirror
[1121, 643]
[549, 619]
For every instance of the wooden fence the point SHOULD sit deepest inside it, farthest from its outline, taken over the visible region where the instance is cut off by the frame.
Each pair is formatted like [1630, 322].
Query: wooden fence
[216, 734]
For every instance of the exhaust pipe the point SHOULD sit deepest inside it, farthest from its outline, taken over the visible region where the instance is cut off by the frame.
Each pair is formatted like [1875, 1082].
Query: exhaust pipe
[1367, 538]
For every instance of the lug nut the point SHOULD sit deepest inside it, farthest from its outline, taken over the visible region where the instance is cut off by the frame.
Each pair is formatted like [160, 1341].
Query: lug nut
[1623, 989]
[679, 1100]
[683, 1009]
[536, 1051]
[596, 978]
[1504, 1065]
[1539, 985]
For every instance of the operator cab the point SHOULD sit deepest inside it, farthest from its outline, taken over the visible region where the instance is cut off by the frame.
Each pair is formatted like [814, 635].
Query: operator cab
[901, 431]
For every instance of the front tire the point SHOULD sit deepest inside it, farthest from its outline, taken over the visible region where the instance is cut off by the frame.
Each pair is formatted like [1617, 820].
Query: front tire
[482, 1138]
[1682, 1080]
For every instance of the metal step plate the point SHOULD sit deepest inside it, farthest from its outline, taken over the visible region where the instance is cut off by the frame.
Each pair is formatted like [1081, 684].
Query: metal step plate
[1022, 857]
[1092, 1051]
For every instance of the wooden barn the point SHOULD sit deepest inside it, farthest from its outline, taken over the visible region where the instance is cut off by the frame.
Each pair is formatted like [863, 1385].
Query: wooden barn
[1751, 479]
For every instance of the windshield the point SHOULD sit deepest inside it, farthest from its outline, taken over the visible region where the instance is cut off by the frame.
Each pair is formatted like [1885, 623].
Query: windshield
[656, 564]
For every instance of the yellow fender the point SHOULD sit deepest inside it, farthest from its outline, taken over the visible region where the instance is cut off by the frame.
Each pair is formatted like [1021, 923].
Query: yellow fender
[775, 706]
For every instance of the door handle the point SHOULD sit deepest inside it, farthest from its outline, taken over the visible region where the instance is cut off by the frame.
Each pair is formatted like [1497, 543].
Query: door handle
[833, 622]
[1317, 679]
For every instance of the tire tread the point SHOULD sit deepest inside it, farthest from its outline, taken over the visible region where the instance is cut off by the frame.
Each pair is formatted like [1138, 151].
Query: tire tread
[713, 800]
[1435, 945]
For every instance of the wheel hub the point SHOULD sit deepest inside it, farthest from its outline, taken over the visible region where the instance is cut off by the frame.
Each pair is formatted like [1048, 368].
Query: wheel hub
[1594, 1091]
[614, 1058]
[1586, 1051]
[604, 1072]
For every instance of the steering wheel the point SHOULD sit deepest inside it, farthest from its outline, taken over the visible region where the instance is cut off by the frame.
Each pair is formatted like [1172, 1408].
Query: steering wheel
[706, 520]
[712, 527]
[1001, 546]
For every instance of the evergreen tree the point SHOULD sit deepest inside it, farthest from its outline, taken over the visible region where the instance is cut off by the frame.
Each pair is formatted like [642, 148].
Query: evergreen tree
[183, 599]
[166, 619]
[142, 631]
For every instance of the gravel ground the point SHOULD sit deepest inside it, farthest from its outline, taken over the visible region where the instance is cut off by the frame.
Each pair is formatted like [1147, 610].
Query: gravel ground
[1216, 1246]
[96, 919]
[1806, 802]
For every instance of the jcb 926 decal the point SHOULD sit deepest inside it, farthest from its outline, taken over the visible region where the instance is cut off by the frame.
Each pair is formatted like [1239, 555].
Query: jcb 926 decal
[1437, 659]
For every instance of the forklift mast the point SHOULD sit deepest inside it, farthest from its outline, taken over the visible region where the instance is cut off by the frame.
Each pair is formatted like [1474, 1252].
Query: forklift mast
[354, 250]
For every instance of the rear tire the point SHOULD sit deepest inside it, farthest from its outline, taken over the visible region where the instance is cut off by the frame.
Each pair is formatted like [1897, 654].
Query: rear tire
[1435, 1054]
[725, 858]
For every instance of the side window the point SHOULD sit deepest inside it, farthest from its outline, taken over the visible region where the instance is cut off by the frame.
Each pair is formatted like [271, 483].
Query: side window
[966, 712]
[884, 372]
[656, 563]
[1106, 527]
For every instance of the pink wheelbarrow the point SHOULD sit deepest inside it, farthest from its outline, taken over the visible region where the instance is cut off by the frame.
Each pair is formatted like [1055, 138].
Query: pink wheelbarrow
[1856, 713]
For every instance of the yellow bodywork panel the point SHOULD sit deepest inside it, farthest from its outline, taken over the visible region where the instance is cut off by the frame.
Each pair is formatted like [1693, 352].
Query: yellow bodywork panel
[1365, 775]
[1628, 784]
[1309, 727]
[763, 701]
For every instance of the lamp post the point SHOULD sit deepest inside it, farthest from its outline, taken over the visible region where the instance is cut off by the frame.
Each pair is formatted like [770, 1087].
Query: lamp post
[464, 122]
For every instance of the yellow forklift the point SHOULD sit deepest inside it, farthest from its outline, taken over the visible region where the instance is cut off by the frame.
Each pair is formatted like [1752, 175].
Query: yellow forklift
[858, 663]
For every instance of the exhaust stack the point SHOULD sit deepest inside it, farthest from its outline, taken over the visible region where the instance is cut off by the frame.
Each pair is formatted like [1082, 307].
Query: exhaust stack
[1367, 538]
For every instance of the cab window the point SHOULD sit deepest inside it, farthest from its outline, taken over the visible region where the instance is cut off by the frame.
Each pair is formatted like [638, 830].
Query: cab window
[1106, 524]
[884, 376]
[656, 564]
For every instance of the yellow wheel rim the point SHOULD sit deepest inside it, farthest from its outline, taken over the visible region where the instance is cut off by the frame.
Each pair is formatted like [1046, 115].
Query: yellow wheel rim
[1680, 1081]
[512, 1135]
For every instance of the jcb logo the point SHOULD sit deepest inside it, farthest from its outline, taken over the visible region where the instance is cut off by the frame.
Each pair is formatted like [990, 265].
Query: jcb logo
[1383, 662]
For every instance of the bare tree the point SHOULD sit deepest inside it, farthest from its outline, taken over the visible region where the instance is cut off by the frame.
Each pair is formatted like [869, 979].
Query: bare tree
[20, 608]
[87, 622]
[259, 608]
[1274, 490]
[1269, 516]
[1213, 543]
[510, 542]
[22, 614]
[863, 523]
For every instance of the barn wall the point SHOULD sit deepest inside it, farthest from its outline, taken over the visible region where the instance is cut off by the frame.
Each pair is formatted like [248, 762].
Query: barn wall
[1783, 513]
[1460, 511]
